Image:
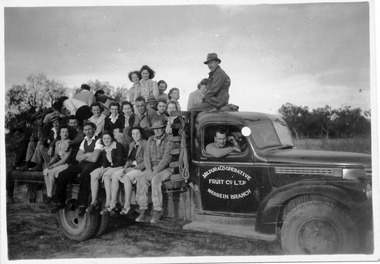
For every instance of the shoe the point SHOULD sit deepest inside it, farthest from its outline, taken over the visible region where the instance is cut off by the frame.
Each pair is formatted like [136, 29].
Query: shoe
[48, 200]
[81, 210]
[56, 208]
[93, 208]
[105, 211]
[38, 167]
[125, 211]
[156, 217]
[142, 216]
[22, 168]
[112, 207]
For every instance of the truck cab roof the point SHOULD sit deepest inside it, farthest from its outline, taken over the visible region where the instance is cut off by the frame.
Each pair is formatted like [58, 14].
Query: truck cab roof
[236, 117]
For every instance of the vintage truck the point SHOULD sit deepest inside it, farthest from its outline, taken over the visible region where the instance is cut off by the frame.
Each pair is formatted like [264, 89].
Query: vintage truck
[315, 202]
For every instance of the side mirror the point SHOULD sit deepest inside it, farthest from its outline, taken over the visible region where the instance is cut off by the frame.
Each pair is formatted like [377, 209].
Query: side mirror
[246, 131]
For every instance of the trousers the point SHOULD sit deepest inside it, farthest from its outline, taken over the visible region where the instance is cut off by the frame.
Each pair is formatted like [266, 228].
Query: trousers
[68, 175]
[143, 183]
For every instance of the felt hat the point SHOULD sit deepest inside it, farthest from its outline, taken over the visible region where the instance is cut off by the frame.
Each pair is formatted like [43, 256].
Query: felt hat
[157, 123]
[86, 123]
[37, 116]
[55, 118]
[151, 98]
[211, 57]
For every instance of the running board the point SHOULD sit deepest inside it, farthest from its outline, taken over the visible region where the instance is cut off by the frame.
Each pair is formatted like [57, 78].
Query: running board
[231, 226]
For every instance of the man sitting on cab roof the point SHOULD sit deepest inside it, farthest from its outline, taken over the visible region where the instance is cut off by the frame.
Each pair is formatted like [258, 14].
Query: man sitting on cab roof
[222, 144]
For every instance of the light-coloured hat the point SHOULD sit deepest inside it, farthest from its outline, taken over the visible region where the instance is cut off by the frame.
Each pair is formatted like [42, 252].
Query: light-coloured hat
[211, 57]
[55, 118]
[151, 98]
[157, 123]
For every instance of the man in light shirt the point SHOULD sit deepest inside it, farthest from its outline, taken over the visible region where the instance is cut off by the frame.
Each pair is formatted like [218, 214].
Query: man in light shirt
[85, 95]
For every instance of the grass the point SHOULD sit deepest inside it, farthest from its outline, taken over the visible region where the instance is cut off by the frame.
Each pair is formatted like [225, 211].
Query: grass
[360, 145]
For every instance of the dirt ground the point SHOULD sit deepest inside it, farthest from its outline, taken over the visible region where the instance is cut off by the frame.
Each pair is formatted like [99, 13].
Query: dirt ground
[34, 233]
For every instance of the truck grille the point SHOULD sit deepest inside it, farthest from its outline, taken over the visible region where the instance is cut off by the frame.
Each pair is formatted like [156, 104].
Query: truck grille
[368, 172]
[313, 171]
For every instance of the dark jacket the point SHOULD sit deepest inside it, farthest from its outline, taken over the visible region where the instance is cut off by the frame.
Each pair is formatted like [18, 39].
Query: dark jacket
[118, 157]
[139, 155]
[217, 88]
[119, 123]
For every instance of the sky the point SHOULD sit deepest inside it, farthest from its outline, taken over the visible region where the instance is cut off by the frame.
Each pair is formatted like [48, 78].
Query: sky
[311, 54]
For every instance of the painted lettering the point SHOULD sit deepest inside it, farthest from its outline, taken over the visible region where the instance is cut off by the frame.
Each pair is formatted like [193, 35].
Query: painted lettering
[219, 195]
[226, 168]
[215, 181]
[241, 195]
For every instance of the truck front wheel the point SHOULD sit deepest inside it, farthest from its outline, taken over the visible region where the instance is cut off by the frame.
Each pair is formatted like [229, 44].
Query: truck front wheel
[318, 227]
[76, 227]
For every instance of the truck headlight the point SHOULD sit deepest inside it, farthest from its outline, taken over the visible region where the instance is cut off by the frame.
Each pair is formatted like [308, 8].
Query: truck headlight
[368, 191]
[353, 174]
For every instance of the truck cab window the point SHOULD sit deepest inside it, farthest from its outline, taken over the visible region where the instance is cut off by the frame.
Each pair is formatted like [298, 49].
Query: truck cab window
[231, 130]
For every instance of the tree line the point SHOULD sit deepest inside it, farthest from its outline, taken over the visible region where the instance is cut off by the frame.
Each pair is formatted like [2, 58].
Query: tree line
[39, 92]
[325, 122]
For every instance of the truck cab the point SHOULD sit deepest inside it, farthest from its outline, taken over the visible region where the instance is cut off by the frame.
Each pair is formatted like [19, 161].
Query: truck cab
[314, 201]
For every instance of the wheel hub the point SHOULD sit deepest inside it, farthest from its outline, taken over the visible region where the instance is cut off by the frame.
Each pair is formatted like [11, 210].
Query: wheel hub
[318, 236]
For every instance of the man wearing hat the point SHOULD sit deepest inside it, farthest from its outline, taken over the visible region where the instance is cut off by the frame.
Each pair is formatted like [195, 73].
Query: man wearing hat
[88, 160]
[42, 152]
[34, 140]
[156, 160]
[218, 85]
[152, 103]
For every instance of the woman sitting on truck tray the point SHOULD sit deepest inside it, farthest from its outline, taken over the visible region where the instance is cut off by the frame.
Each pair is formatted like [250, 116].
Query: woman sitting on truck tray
[161, 110]
[133, 169]
[58, 163]
[113, 158]
[135, 90]
[98, 118]
[174, 120]
[174, 96]
[130, 119]
[147, 85]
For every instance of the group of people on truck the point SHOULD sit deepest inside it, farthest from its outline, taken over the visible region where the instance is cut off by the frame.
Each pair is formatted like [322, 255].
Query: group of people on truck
[93, 136]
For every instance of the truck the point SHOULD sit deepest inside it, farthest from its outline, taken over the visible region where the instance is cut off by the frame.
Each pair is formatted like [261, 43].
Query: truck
[313, 202]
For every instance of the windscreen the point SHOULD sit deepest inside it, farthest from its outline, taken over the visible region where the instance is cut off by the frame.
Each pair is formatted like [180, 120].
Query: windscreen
[270, 134]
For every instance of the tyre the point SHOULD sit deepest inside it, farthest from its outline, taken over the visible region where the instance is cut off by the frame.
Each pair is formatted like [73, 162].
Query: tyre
[104, 218]
[76, 227]
[318, 227]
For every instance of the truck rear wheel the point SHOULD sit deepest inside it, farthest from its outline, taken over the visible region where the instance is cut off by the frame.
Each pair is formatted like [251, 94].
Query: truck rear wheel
[103, 218]
[318, 227]
[76, 227]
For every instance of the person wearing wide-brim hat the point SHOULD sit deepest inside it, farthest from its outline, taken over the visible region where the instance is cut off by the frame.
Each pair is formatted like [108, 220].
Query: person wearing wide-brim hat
[45, 149]
[157, 123]
[156, 160]
[152, 102]
[217, 94]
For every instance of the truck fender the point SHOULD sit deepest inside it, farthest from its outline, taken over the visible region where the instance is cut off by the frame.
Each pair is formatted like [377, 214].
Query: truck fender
[272, 206]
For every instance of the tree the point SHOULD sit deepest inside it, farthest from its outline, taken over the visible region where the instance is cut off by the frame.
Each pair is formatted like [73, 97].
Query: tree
[120, 94]
[295, 117]
[98, 85]
[36, 94]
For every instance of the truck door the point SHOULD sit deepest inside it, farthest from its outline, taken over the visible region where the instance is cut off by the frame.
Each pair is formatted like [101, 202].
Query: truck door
[227, 184]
